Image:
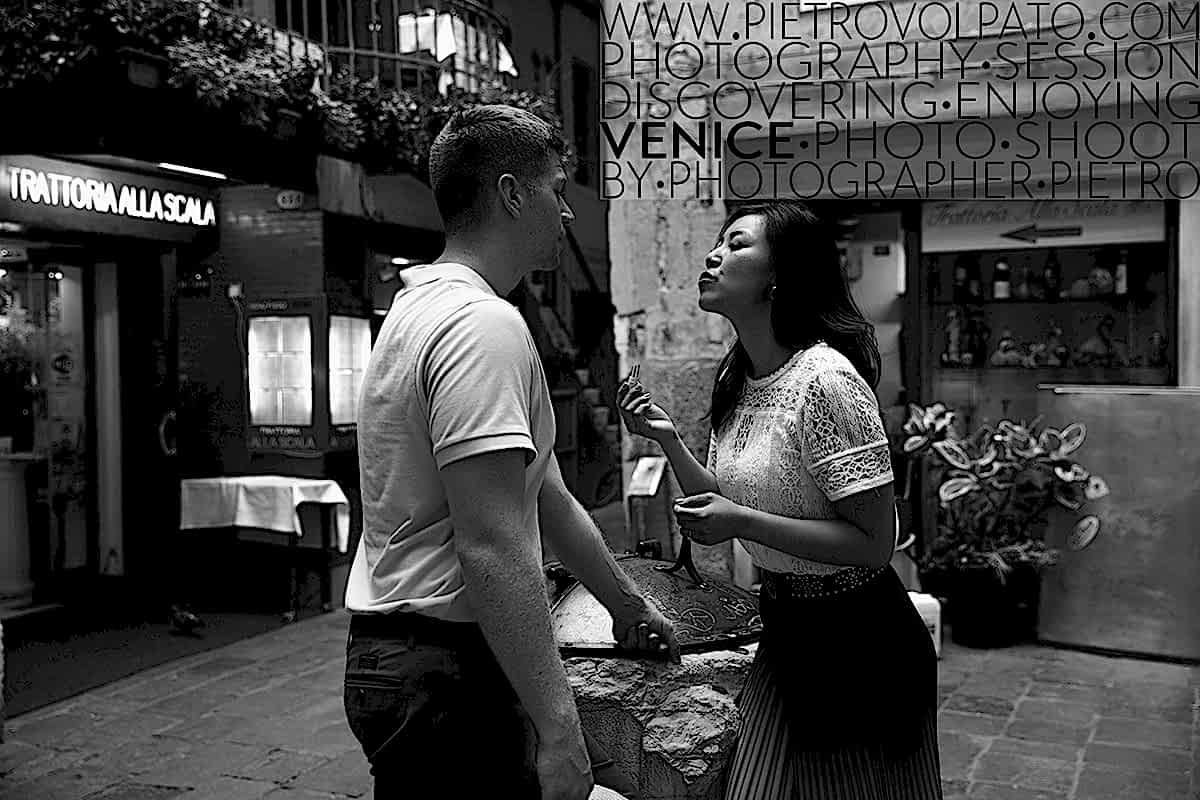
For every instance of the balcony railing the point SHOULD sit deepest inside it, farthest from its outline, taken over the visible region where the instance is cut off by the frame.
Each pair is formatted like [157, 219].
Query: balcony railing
[407, 44]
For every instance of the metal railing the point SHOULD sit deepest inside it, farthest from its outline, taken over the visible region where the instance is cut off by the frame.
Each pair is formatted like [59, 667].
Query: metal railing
[405, 44]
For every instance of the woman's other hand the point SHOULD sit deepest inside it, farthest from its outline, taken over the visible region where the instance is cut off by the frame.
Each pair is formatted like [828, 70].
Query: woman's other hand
[708, 518]
[641, 415]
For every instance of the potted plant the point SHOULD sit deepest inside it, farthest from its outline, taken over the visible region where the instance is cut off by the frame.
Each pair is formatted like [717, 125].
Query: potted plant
[997, 490]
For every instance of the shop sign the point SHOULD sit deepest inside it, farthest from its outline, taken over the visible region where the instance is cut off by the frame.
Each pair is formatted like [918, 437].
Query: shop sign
[283, 437]
[62, 195]
[295, 305]
[1013, 225]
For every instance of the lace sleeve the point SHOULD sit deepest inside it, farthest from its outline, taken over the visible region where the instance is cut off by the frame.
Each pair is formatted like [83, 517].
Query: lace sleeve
[711, 464]
[844, 444]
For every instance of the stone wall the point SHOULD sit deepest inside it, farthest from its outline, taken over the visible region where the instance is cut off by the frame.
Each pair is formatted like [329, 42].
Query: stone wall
[658, 248]
[669, 728]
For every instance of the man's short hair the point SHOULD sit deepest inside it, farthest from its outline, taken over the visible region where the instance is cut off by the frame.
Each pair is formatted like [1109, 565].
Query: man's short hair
[476, 147]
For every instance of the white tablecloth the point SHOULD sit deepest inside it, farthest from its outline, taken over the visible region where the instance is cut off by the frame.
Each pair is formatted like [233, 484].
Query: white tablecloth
[260, 501]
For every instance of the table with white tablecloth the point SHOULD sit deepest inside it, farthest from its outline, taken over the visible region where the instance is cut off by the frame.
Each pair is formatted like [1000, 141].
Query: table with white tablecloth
[270, 503]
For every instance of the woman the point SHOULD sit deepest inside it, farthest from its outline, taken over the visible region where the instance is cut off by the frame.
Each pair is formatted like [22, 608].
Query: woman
[841, 699]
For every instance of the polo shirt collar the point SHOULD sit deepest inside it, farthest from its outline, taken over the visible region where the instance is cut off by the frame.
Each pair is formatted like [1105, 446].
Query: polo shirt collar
[446, 270]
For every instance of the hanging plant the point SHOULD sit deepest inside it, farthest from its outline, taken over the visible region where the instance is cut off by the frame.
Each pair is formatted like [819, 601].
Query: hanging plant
[257, 87]
[230, 64]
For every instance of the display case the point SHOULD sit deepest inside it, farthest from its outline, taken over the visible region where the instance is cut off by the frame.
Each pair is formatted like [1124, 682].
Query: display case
[305, 360]
[1086, 304]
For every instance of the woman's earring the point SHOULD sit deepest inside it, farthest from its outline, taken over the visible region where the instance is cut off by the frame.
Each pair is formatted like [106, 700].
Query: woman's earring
[771, 293]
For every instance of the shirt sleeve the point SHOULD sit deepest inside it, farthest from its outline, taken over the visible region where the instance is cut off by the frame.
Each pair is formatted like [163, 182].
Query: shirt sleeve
[478, 380]
[844, 444]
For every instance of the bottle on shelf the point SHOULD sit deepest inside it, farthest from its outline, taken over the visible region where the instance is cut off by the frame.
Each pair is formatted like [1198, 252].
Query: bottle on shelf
[1052, 275]
[1001, 280]
[1121, 274]
[959, 290]
[934, 271]
[974, 279]
[1024, 289]
[952, 355]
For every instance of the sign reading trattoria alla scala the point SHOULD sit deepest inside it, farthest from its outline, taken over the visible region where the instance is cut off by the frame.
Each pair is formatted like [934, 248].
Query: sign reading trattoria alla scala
[63, 195]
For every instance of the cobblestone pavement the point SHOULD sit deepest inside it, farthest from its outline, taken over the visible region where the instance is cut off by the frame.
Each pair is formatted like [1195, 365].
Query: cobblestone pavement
[262, 718]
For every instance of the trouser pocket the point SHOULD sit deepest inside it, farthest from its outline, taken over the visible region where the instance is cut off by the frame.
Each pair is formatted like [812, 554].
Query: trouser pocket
[435, 716]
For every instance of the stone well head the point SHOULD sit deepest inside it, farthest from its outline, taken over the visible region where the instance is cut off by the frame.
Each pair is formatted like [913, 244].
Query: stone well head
[662, 731]
[707, 614]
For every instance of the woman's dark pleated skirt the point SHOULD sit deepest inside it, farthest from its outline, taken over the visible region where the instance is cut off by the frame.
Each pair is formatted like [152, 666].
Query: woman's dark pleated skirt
[841, 701]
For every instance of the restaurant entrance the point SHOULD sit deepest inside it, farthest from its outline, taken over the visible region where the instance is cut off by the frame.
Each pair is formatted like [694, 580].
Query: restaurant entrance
[87, 376]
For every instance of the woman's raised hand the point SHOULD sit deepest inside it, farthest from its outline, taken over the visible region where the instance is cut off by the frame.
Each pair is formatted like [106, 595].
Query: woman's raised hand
[641, 415]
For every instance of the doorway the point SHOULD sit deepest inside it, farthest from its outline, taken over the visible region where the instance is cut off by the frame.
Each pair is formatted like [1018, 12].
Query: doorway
[47, 418]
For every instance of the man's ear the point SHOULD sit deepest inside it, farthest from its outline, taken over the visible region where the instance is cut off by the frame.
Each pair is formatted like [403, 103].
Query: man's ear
[512, 198]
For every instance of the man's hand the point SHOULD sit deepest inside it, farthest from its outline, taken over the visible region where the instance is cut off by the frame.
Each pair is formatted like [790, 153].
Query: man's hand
[708, 518]
[563, 767]
[646, 630]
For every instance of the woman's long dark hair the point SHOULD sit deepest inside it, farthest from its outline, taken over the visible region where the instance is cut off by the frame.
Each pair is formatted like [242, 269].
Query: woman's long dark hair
[812, 300]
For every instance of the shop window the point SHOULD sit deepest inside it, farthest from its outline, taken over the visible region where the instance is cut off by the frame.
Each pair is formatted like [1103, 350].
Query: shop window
[280, 371]
[349, 350]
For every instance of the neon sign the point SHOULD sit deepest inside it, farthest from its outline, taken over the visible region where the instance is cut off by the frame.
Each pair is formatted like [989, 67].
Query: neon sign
[130, 200]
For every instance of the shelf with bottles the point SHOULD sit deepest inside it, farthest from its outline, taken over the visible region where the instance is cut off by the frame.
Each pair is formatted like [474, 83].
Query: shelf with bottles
[1134, 375]
[1119, 274]
[1139, 300]
[1068, 312]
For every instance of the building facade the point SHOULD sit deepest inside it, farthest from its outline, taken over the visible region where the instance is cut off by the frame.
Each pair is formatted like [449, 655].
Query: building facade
[148, 279]
[905, 253]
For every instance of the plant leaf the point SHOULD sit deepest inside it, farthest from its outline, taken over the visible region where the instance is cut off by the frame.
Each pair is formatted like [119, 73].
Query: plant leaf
[953, 453]
[1050, 440]
[986, 471]
[1072, 437]
[1086, 531]
[1076, 474]
[1096, 488]
[915, 414]
[1065, 497]
[1002, 567]
[955, 488]
[914, 443]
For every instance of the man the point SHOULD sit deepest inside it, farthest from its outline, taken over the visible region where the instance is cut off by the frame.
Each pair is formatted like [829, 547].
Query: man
[454, 685]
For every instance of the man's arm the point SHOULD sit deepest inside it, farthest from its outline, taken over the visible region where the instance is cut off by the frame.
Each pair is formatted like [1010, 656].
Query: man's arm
[504, 584]
[576, 540]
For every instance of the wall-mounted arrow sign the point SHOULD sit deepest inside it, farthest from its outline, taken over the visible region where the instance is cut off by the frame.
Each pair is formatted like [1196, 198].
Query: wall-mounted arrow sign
[956, 227]
[1030, 233]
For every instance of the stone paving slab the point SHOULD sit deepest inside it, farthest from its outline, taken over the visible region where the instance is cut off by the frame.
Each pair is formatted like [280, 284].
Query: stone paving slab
[262, 719]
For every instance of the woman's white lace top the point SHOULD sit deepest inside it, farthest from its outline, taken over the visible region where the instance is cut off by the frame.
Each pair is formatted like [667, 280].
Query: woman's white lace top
[797, 440]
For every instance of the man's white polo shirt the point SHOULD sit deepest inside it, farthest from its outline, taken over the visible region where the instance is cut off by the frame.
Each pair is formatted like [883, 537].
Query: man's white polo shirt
[454, 373]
